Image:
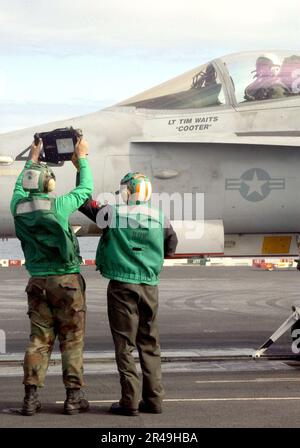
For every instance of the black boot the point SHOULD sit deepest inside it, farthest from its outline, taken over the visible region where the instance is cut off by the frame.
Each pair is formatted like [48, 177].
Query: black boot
[75, 402]
[117, 408]
[31, 403]
[144, 406]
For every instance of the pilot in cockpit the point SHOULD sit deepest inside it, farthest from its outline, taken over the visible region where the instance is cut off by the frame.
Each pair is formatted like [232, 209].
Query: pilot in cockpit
[267, 84]
[205, 78]
[290, 73]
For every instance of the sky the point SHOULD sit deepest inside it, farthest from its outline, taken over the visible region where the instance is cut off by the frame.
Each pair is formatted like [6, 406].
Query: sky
[63, 58]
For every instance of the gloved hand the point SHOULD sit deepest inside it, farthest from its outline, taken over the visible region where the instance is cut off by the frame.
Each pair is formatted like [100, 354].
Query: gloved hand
[35, 151]
[81, 148]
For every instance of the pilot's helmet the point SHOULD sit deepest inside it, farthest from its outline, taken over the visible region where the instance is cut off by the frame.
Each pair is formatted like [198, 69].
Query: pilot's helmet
[289, 72]
[39, 178]
[210, 72]
[264, 65]
[135, 187]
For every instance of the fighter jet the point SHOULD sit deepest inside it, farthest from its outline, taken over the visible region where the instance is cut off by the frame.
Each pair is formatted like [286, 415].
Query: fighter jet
[228, 131]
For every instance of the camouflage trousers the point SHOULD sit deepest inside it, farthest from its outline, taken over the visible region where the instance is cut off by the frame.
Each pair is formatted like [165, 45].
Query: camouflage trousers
[56, 307]
[132, 313]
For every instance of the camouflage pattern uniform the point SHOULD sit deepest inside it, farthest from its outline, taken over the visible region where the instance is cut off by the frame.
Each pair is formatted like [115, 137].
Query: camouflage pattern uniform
[56, 306]
[56, 289]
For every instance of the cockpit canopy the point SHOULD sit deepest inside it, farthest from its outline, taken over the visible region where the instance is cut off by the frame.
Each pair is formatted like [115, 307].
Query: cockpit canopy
[267, 75]
[197, 88]
[235, 79]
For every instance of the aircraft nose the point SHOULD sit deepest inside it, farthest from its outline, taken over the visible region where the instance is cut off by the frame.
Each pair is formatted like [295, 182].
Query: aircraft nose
[8, 176]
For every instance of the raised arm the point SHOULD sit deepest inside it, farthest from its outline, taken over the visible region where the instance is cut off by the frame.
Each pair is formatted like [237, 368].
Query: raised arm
[69, 203]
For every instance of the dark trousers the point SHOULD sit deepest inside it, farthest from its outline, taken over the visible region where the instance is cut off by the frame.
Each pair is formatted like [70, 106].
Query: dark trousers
[56, 307]
[132, 312]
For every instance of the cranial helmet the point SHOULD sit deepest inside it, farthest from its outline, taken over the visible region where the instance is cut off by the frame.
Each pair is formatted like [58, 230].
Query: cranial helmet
[39, 178]
[135, 187]
[264, 65]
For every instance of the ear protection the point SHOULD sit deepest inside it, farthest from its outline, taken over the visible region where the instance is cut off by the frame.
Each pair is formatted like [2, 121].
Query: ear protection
[49, 181]
[39, 178]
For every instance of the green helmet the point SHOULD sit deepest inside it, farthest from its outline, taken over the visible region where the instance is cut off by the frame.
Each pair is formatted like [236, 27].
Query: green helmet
[39, 178]
[138, 187]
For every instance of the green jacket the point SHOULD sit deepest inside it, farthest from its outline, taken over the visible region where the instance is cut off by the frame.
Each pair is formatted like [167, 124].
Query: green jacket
[42, 225]
[131, 250]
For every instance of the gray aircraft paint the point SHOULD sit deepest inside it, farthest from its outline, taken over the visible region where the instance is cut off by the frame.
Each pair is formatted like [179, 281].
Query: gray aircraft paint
[216, 150]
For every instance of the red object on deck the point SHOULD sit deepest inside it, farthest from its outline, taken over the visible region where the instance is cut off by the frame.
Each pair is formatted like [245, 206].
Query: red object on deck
[14, 263]
[89, 262]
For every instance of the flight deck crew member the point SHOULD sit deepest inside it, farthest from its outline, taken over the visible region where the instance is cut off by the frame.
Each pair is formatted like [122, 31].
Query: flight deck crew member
[56, 289]
[130, 253]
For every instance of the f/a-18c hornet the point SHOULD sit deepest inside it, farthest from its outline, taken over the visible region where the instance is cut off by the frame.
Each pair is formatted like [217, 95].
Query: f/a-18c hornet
[227, 131]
